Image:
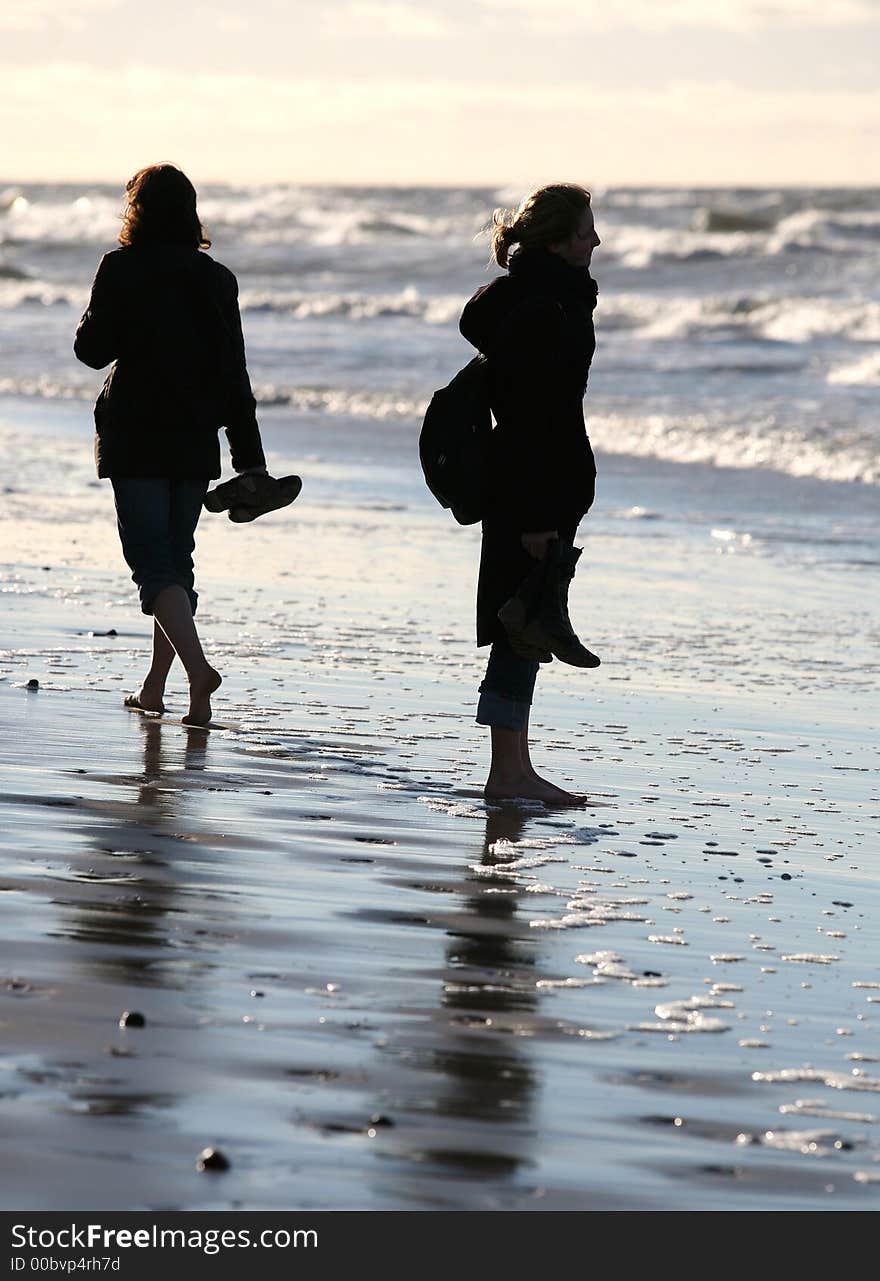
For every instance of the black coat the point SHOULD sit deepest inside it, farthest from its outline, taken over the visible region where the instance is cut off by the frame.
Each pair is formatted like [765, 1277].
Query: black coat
[535, 326]
[167, 317]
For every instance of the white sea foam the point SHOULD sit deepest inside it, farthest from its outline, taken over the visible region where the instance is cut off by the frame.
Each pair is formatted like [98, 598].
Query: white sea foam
[862, 372]
[607, 965]
[807, 1142]
[408, 304]
[70, 216]
[682, 1010]
[695, 1022]
[850, 454]
[815, 1107]
[25, 292]
[810, 958]
[794, 319]
[856, 1080]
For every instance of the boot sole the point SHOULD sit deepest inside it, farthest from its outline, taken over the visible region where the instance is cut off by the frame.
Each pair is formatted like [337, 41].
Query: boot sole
[574, 656]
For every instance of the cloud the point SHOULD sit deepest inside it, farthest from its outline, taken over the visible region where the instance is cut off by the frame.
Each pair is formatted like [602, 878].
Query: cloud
[732, 15]
[76, 121]
[34, 15]
[387, 17]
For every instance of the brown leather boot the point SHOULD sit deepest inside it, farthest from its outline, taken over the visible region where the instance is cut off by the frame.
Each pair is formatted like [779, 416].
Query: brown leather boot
[515, 613]
[547, 626]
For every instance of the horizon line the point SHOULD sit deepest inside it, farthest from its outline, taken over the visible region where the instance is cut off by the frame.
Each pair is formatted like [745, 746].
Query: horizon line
[673, 185]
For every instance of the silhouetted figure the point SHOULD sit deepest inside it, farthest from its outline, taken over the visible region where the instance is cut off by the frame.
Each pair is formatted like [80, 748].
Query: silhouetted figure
[166, 315]
[535, 326]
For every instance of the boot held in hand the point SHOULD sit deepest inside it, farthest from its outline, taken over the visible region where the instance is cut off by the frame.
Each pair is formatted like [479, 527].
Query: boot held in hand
[536, 617]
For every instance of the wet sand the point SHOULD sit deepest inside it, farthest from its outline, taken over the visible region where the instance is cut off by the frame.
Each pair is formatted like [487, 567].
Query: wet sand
[365, 986]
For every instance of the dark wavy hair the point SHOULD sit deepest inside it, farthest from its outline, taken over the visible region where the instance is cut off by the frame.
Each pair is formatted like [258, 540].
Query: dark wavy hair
[546, 217]
[160, 204]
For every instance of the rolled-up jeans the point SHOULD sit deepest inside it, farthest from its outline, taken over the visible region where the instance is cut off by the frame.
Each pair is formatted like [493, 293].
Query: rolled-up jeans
[507, 689]
[157, 518]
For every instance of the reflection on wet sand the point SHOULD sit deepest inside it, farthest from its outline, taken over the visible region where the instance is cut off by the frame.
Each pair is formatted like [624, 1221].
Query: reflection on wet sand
[472, 1095]
[122, 898]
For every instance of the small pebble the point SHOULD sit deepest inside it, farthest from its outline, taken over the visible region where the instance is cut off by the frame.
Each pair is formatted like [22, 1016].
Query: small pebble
[211, 1159]
[131, 1018]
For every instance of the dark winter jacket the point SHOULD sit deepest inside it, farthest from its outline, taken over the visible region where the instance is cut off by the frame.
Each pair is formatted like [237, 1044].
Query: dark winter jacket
[167, 316]
[535, 325]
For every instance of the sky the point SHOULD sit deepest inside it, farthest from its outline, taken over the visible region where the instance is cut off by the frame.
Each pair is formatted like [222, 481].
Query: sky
[605, 92]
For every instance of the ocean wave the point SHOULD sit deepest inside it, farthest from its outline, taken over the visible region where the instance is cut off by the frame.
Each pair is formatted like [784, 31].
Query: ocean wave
[730, 234]
[797, 319]
[291, 215]
[301, 305]
[639, 248]
[643, 198]
[823, 230]
[8, 271]
[47, 388]
[9, 197]
[793, 320]
[343, 402]
[334, 401]
[833, 455]
[712, 219]
[864, 372]
[791, 214]
[24, 292]
[802, 319]
[407, 303]
[67, 219]
[337, 402]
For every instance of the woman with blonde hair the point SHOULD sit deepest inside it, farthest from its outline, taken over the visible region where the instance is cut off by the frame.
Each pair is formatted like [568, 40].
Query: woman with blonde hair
[535, 327]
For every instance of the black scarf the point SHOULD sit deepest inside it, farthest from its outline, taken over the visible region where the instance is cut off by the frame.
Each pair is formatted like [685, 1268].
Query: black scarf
[548, 272]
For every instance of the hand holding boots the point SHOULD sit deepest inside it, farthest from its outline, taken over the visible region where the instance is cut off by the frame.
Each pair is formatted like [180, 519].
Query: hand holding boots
[537, 544]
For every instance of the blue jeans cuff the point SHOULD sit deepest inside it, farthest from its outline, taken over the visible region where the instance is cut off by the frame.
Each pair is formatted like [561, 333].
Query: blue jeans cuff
[502, 713]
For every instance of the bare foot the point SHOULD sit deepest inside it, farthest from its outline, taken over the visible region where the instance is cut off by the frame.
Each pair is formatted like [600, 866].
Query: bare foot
[200, 691]
[529, 787]
[147, 699]
[564, 797]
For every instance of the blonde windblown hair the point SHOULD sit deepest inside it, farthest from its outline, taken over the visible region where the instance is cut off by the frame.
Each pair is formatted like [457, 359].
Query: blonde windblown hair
[547, 216]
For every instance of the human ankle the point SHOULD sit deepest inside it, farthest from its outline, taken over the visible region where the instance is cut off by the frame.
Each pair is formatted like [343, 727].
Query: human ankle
[505, 774]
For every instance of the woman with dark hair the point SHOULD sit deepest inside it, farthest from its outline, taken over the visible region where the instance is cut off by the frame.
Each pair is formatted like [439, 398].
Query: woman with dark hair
[535, 327]
[166, 315]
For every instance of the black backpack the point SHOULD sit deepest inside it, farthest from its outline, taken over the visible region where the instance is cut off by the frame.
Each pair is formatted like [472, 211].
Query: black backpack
[454, 442]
